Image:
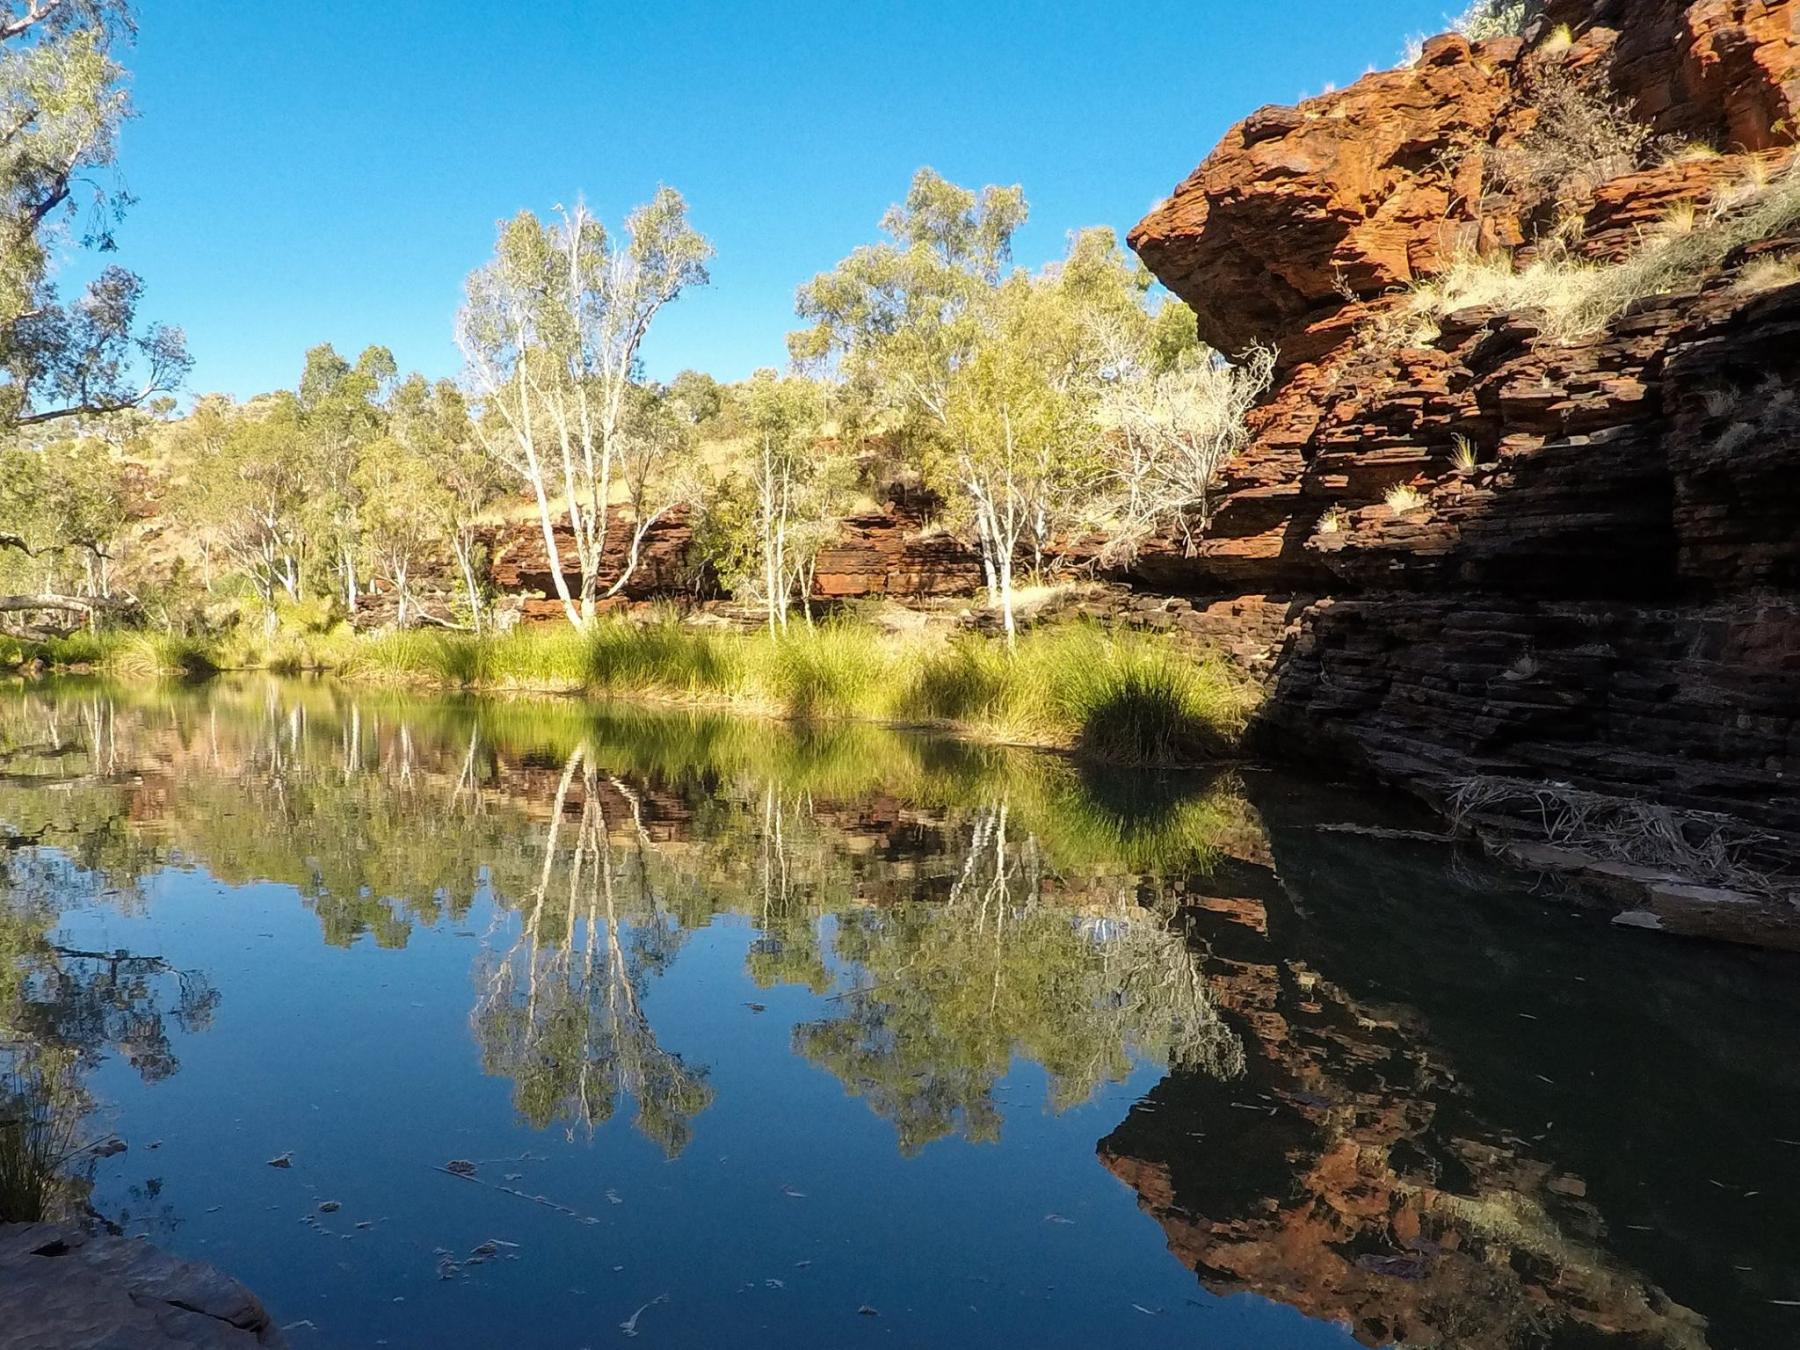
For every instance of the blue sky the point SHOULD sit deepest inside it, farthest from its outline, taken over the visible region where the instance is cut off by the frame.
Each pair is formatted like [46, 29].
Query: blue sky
[309, 172]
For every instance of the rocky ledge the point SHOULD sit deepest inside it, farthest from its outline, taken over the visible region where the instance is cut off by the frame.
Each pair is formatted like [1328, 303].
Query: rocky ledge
[64, 1289]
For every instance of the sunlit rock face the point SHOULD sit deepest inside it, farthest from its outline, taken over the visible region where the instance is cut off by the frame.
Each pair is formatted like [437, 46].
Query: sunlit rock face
[1301, 210]
[1590, 572]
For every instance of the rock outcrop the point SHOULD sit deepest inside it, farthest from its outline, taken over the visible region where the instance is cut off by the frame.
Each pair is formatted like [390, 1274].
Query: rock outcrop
[62, 1288]
[1607, 594]
[887, 553]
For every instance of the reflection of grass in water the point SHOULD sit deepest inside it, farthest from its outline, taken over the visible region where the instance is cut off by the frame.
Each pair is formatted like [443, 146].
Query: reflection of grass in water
[1083, 814]
[1115, 694]
[37, 1142]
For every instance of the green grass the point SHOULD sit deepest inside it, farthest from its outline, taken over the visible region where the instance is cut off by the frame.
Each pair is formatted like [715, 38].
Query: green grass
[1115, 695]
[125, 654]
[36, 1143]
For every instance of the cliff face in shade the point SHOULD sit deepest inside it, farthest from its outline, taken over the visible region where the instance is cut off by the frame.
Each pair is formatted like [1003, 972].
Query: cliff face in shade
[1610, 597]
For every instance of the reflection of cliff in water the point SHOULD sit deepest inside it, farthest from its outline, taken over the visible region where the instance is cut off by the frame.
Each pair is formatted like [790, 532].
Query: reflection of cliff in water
[1467, 1121]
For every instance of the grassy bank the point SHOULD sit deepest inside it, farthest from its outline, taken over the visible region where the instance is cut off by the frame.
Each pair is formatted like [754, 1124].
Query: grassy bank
[1118, 695]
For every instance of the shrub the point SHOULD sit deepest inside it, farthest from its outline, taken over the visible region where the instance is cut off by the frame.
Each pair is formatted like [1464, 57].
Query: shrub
[1497, 18]
[1581, 138]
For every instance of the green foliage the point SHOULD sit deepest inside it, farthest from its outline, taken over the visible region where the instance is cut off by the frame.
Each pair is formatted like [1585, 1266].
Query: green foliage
[63, 98]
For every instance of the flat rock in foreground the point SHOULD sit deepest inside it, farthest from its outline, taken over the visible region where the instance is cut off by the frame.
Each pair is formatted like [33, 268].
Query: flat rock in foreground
[63, 1289]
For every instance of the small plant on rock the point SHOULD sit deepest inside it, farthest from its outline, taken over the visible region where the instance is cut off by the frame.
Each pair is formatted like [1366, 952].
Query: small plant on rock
[1463, 454]
[1402, 498]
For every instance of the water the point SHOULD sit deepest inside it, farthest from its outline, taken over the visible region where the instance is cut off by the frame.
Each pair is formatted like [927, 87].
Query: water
[761, 1038]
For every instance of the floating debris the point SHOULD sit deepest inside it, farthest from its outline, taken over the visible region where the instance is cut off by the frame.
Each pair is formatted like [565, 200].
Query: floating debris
[460, 1167]
[106, 1148]
[793, 1194]
[629, 1325]
[1054, 1217]
[282, 1160]
[867, 1311]
[612, 1196]
[329, 1206]
[757, 1007]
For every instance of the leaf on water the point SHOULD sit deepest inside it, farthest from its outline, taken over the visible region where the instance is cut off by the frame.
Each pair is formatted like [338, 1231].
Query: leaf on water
[282, 1160]
[629, 1325]
[867, 1311]
[757, 1007]
[329, 1206]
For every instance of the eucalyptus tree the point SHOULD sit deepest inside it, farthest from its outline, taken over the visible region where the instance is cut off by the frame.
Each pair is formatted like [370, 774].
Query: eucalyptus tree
[894, 320]
[242, 482]
[430, 423]
[1173, 430]
[341, 420]
[63, 98]
[551, 332]
[784, 417]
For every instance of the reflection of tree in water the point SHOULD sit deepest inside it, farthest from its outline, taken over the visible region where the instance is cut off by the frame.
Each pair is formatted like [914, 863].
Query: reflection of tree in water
[388, 812]
[561, 1011]
[62, 1009]
[944, 995]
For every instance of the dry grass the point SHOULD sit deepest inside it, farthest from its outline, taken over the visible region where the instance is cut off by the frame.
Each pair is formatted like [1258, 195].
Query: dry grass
[1463, 456]
[1767, 274]
[1707, 847]
[1571, 299]
[1402, 498]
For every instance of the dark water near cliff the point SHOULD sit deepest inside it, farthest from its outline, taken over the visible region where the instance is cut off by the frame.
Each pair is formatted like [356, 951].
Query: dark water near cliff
[759, 1038]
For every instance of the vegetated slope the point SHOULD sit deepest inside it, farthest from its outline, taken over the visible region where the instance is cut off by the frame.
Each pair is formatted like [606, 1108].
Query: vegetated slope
[1527, 493]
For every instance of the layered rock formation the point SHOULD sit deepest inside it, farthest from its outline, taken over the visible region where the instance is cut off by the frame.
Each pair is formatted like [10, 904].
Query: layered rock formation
[876, 554]
[1609, 596]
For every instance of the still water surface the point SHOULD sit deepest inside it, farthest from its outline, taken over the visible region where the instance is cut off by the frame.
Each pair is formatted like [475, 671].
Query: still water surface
[591, 1024]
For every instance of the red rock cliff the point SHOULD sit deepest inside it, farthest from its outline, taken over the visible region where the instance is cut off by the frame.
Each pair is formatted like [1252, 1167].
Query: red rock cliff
[1610, 596]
